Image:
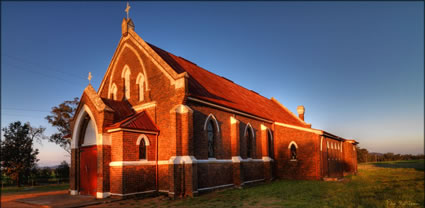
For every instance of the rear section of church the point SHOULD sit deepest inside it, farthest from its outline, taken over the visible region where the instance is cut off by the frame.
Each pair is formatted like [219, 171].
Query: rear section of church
[161, 124]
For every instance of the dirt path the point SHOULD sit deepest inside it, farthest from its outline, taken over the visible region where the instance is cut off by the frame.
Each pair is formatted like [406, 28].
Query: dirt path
[8, 200]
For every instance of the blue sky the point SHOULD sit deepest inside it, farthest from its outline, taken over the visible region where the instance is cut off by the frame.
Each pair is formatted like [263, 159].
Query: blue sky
[357, 67]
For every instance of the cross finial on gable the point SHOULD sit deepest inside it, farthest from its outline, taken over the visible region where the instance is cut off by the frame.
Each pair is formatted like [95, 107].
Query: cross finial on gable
[89, 78]
[127, 9]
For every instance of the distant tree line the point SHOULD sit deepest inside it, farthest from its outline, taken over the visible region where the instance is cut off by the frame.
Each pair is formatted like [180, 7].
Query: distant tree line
[363, 155]
[39, 176]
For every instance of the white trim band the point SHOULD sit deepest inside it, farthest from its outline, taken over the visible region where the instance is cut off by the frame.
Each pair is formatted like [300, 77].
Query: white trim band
[73, 192]
[144, 106]
[143, 192]
[132, 130]
[182, 159]
[214, 160]
[102, 195]
[300, 128]
[253, 181]
[215, 187]
[131, 163]
[267, 159]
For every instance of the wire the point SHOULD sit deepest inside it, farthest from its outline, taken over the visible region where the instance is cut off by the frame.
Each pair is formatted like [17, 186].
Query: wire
[22, 109]
[43, 74]
[31, 63]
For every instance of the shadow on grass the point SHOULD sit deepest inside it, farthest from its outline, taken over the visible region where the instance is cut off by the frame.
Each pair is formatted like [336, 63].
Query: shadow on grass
[416, 164]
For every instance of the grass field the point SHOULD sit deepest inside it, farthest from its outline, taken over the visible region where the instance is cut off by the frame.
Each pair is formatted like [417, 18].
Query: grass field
[35, 189]
[388, 184]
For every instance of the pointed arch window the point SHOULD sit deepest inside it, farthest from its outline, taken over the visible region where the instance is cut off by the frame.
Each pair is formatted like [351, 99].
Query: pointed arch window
[210, 133]
[143, 143]
[142, 150]
[270, 141]
[249, 133]
[140, 82]
[293, 152]
[212, 130]
[113, 92]
[126, 75]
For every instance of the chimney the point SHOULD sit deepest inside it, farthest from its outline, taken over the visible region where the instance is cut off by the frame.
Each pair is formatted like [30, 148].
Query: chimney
[301, 110]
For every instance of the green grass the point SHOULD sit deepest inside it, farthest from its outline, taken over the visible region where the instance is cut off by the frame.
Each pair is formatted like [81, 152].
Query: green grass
[416, 164]
[389, 184]
[33, 189]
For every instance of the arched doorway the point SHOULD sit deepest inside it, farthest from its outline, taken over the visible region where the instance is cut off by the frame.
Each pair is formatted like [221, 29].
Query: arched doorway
[88, 157]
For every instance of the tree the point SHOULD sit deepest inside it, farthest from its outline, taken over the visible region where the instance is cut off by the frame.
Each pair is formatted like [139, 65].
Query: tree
[62, 171]
[18, 156]
[60, 117]
[362, 155]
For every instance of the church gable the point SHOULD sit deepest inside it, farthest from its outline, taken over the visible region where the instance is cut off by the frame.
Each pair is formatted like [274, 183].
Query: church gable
[133, 68]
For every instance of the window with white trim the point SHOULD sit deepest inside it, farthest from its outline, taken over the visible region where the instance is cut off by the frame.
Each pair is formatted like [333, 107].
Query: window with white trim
[211, 138]
[143, 143]
[250, 140]
[212, 132]
[126, 75]
[293, 152]
[270, 142]
[142, 150]
[140, 82]
[113, 92]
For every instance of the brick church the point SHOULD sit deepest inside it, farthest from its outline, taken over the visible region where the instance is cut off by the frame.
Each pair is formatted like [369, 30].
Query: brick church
[161, 124]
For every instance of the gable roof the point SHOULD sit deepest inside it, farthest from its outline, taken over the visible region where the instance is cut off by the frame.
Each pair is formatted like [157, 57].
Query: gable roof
[208, 86]
[122, 109]
[138, 121]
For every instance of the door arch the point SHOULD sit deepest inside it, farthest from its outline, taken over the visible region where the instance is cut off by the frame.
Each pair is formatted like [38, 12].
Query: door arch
[85, 137]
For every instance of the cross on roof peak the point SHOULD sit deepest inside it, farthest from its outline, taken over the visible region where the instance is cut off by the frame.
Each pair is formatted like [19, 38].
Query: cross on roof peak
[127, 9]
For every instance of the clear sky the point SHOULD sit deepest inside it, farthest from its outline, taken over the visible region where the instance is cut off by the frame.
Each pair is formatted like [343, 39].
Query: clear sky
[357, 67]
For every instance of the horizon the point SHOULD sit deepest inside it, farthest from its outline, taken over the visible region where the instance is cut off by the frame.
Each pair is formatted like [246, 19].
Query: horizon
[357, 67]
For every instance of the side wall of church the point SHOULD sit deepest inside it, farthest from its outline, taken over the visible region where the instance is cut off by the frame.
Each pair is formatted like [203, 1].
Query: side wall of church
[135, 175]
[221, 170]
[333, 157]
[307, 162]
[350, 158]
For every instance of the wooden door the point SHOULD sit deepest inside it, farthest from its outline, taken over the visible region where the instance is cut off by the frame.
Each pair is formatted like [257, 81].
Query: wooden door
[88, 170]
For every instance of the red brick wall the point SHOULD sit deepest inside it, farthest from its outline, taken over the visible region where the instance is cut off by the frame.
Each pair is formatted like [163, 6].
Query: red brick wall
[307, 165]
[333, 161]
[350, 158]
[214, 174]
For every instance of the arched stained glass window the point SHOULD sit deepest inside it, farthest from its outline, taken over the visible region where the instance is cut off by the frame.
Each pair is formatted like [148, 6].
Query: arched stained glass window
[142, 150]
[249, 143]
[210, 132]
[270, 141]
[293, 152]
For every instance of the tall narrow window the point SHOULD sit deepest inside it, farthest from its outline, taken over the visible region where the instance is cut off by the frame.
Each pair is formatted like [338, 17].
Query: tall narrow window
[270, 141]
[293, 152]
[126, 75]
[210, 132]
[113, 92]
[249, 139]
[140, 81]
[142, 150]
